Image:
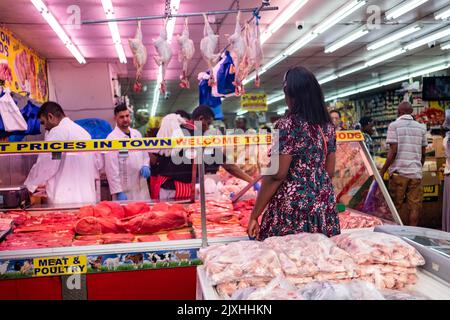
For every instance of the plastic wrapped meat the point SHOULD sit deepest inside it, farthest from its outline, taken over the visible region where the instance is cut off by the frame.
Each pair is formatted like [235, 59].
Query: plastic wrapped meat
[186, 53]
[352, 220]
[367, 247]
[139, 54]
[164, 54]
[208, 46]
[239, 261]
[354, 290]
[402, 295]
[151, 222]
[97, 225]
[386, 276]
[277, 289]
[307, 255]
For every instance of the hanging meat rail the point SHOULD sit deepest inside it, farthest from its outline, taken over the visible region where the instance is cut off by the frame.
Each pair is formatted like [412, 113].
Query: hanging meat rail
[256, 10]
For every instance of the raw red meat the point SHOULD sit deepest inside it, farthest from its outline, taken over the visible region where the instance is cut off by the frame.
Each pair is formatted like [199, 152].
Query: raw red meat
[117, 238]
[86, 242]
[97, 225]
[117, 210]
[19, 217]
[151, 222]
[87, 211]
[171, 235]
[150, 238]
[136, 208]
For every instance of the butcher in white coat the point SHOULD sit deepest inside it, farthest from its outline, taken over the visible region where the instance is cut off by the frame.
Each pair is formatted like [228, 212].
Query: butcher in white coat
[70, 179]
[127, 175]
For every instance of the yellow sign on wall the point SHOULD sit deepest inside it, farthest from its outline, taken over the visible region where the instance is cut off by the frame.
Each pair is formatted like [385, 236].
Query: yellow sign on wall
[28, 69]
[254, 102]
[53, 266]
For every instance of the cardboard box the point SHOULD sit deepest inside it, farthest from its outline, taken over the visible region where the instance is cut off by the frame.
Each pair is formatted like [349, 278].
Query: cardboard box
[431, 186]
[438, 146]
[430, 166]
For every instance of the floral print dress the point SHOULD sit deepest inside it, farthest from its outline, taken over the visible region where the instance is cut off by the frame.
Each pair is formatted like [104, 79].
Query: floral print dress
[305, 201]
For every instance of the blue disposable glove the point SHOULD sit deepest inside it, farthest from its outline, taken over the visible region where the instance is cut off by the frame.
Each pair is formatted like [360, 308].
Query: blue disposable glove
[257, 186]
[121, 196]
[145, 172]
[231, 195]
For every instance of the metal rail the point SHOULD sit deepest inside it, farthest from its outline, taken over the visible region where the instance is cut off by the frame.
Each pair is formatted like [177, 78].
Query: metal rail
[193, 14]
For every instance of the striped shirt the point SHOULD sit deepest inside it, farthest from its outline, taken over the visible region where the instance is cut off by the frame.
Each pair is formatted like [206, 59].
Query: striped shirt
[410, 137]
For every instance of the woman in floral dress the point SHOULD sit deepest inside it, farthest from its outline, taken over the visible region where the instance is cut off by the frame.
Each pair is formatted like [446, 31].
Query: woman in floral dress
[300, 196]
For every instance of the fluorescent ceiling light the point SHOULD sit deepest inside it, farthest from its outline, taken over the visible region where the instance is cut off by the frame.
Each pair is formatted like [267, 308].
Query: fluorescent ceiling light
[175, 6]
[282, 18]
[403, 8]
[394, 37]
[358, 33]
[241, 112]
[54, 24]
[329, 22]
[351, 70]
[390, 80]
[338, 15]
[445, 46]
[114, 29]
[429, 38]
[281, 111]
[300, 43]
[328, 79]
[443, 14]
[384, 57]
[275, 99]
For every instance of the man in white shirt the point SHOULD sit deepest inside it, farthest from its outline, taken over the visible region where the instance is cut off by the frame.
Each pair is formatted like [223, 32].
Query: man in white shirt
[70, 179]
[407, 142]
[127, 174]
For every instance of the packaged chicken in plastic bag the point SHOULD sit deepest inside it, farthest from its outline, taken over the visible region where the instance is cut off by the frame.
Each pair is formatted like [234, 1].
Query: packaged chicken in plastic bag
[402, 295]
[354, 290]
[367, 247]
[277, 289]
[307, 255]
[240, 261]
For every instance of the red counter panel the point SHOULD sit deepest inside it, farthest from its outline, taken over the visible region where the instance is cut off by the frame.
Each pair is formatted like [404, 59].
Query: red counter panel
[45, 288]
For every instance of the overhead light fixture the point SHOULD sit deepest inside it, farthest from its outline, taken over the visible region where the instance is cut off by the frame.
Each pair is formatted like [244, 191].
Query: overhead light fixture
[445, 46]
[114, 29]
[241, 112]
[282, 18]
[62, 35]
[391, 79]
[274, 99]
[338, 15]
[403, 8]
[429, 38]
[394, 37]
[384, 57]
[443, 14]
[281, 111]
[358, 33]
[329, 22]
[328, 79]
[175, 6]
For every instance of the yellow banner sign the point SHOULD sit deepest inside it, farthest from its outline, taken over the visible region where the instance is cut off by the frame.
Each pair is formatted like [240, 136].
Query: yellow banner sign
[133, 144]
[53, 266]
[254, 102]
[28, 69]
[352, 135]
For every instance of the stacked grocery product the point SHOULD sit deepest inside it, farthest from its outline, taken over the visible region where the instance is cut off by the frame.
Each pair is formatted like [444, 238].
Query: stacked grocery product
[104, 223]
[384, 260]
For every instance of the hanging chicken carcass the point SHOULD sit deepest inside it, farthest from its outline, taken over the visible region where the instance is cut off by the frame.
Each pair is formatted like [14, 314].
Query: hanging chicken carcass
[163, 54]
[238, 49]
[139, 56]
[186, 53]
[207, 46]
[255, 53]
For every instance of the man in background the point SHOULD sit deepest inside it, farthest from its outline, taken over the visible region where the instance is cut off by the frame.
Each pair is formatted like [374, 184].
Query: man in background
[127, 173]
[407, 142]
[70, 179]
[336, 119]
[366, 126]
